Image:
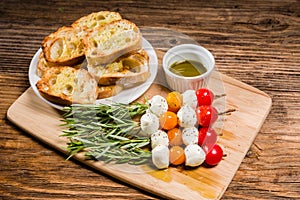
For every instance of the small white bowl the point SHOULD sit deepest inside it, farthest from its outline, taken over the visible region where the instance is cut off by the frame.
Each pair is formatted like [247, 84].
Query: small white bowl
[188, 52]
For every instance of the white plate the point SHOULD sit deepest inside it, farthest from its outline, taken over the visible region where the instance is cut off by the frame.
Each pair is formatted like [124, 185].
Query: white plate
[126, 96]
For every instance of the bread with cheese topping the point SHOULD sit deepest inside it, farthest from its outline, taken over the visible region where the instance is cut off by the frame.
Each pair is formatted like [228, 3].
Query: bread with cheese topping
[94, 20]
[127, 70]
[67, 85]
[96, 57]
[43, 65]
[63, 47]
[107, 43]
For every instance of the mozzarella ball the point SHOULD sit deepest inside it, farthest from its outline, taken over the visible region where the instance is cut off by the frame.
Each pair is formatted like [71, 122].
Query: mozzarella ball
[158, 105]
[190, 135]
[160, 156]
[149, 124]
[194, 155]
[189, 98]
[159, 138]
[187, 116]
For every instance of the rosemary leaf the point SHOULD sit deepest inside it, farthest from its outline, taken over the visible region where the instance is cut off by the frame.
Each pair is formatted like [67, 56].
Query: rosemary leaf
[106, 132]
[118, 137]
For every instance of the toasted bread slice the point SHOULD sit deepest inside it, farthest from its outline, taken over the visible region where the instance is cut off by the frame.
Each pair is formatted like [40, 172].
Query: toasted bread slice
[43, 65]
[63, 47]
[109, 42]
[94, 20]
[128, 70]
[67, 85]
[108, 91]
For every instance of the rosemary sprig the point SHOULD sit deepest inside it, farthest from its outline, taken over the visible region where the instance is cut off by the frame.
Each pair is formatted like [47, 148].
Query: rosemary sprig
[106, 132]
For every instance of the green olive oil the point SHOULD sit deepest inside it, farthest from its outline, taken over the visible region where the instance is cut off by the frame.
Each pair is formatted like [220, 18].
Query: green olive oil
[188, 68]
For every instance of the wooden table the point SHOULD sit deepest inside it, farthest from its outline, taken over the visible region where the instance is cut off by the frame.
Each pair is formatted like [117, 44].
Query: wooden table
[253, 41]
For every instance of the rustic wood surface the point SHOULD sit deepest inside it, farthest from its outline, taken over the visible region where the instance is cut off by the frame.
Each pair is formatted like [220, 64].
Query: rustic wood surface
[256, 42]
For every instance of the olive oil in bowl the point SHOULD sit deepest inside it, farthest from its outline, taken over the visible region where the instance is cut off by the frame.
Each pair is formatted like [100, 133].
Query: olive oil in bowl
[188, 68]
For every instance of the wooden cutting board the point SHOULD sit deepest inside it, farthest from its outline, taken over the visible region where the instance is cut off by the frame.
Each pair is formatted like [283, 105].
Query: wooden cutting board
[238, 130]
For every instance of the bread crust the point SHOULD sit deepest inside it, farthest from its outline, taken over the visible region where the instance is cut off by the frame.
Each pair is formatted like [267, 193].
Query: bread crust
[42, 65]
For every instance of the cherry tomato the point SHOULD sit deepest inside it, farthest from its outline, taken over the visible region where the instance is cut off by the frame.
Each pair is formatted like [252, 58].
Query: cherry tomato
[175, 137]
[176, 155]
[206, 115]
[204, 96]
[168, 120]
[207, 138]
[214, 156]
[174, 100]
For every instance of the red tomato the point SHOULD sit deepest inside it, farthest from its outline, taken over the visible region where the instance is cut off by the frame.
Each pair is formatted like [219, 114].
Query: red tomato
[214, 156]
[207, 138]
[204, 96]
[206, 115]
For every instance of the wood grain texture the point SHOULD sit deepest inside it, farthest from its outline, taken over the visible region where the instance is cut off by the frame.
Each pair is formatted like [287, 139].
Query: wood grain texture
[256, 42]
